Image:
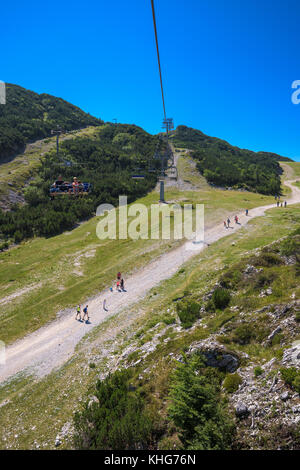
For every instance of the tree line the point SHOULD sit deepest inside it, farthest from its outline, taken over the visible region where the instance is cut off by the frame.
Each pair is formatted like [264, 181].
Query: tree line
[224, 165]
[28, 116]
[107, 161]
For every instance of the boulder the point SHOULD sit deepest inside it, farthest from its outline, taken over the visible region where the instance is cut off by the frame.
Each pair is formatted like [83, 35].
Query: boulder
[57, 441]
[291, 356]
[216, 355]
[241, 410]
[284, 396]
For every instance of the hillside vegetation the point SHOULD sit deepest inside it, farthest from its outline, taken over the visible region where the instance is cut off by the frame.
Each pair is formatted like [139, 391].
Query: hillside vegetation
[166, 375]
[28, 116]
[105, 159]
[224, 165]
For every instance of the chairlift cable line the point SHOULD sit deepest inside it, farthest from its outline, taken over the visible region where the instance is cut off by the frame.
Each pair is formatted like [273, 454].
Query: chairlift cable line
[158, 58]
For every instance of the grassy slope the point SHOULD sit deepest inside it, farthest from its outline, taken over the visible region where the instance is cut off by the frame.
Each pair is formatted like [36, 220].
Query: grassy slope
[37, 411]
[23, 167]
[49, 266]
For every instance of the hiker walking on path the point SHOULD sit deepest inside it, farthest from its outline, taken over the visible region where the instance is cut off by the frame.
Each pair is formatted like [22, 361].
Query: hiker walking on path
[228, 222]
[122, 284]
[285, 203]
[78, 312]
[104, 305]
[277, 203]
[236, 219]
[119, 276]
[247, 212]
[86, 314]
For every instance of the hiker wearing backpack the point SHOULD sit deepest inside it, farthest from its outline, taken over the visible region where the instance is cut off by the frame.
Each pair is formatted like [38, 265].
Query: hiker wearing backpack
[85, 313]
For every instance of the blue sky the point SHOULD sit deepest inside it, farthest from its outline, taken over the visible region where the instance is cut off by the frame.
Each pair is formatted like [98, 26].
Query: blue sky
[228, 65]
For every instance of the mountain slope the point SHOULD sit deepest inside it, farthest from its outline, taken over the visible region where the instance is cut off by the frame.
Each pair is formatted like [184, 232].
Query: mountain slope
[106, 159]
[28, 116]
[225, 165]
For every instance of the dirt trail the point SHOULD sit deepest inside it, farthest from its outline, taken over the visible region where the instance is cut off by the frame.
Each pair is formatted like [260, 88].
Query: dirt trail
[50, 346]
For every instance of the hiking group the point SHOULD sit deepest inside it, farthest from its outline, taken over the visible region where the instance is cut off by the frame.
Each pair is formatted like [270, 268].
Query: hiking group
[278, 203]
[85, 318]
[120, 287]
[236, 220]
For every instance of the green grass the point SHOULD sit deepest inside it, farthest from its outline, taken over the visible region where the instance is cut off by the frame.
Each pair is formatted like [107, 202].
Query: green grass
[48, 265]
[38, 410]
[14, 175]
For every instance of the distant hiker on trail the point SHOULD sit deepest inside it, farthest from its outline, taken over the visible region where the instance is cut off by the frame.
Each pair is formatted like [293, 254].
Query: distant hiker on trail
[104, 305]
[118, 286]
[285, 203]
[228, 222]
[122, 284]
[111, 289]
[119, 276]
[78, 312]
[277, 203]
[281, 205]
[86, 314]
[247, 212]
[236, 219]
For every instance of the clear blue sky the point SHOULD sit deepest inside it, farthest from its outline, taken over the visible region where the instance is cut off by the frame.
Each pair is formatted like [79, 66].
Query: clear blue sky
[228, 65]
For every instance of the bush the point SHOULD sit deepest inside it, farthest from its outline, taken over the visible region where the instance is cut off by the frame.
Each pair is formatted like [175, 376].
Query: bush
[267, 259]
[243, 334]
[118, 419]
[188, 312]
[258, 371]
[264, 280]
[231, 278]
[291, 246]
[197, 409]
[232, 382]
[291, 376]
[221, 298]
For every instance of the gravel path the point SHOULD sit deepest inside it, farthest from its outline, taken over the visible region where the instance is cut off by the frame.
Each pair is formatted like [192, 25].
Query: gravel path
[50, 346]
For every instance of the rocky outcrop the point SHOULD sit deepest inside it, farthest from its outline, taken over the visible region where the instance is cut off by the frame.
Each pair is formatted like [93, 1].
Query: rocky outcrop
[216, 355]
[291, 356]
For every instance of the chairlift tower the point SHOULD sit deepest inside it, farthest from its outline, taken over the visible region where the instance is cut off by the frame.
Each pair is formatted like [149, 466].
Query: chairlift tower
[168, 125]
[57, 132]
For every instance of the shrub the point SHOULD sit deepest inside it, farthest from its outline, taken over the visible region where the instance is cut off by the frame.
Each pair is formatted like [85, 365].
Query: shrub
[264, 280]
[117, 421]
[291, 245]
[231, 278]
[221, 298]
[267, 259]
[169, 320]
[291, 376]
[243, 334]
[188, 312]
[197, 409]
[232, 382]
[258, 371]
